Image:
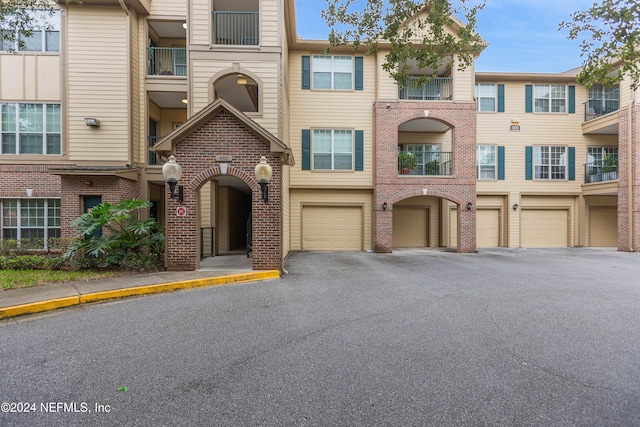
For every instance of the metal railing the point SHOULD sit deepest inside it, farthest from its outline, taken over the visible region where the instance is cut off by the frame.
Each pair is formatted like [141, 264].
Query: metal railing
[603, 170]
[207, 235]
[167, 61]
[425, 163]
[153, 157]
[606, 104]
[236, 28]
[437, 89]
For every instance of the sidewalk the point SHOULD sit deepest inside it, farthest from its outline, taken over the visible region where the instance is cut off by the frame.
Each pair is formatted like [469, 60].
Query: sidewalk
[17, 302]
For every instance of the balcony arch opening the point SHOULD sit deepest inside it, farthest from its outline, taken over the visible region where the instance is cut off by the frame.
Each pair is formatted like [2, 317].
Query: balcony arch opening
[240, 89]
[425, 148]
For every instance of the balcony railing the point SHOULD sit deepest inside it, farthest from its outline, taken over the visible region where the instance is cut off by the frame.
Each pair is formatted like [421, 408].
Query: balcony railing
[153, 157]
[424, 163]
[603, 170]
[608, 103]
[236, 28]
[167, 61]
[437, 89]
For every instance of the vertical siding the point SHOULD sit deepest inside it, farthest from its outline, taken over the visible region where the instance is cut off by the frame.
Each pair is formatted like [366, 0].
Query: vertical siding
[98, 77]
[463, 83]
[330, 110]
[200, 22]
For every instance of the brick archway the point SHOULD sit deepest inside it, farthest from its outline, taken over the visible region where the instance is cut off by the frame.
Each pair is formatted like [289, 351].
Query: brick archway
[459, 188]
[224, 138]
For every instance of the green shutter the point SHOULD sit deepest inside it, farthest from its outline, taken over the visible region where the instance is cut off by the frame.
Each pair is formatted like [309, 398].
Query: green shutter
[306, 72]
[501, 162]
[572, 163]
[572, 99]
[306, 149]
[359, 73]
[500, 98]
[528, 98]
[528, 163]
[359, 150]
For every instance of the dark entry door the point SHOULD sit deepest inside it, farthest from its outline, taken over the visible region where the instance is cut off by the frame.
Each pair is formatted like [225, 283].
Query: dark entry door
[89, 203]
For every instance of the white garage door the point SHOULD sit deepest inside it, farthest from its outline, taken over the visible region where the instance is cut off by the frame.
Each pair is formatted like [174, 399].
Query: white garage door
[541, 228]
[603, 226]
[410, 227]
[332, 228]
[488, 228]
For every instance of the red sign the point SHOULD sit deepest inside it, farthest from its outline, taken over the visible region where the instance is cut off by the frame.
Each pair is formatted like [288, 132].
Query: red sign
[181, 211]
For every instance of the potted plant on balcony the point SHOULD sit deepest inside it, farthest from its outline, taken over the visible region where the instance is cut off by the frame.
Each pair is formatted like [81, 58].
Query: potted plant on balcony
[431, 168]
[407, 162]
[609, 167]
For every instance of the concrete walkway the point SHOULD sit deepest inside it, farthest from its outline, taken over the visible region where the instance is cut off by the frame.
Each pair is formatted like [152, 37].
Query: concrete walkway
[220, 270]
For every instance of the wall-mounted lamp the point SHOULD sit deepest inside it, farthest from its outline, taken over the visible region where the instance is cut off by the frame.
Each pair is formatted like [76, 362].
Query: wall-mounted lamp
[242, 80]
[184, 100]
[263, 174]
[384, 206]
[515, 206]
[172, 171]
[469, 206]
[92, 121]
[184, 25]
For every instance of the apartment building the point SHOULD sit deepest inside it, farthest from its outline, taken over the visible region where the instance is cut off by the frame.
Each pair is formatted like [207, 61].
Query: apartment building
[93, 108]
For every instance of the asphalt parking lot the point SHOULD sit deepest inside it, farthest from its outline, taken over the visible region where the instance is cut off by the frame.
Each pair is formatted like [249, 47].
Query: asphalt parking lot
[418, 337]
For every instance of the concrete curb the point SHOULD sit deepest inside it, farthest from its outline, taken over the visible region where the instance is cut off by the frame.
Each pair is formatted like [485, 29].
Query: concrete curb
[40, 306]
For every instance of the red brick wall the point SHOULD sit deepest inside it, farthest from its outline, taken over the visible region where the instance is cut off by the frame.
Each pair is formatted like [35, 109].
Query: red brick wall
[629, 239]
[18, 178]
[224, 135]
[392, 188]
[74, 187]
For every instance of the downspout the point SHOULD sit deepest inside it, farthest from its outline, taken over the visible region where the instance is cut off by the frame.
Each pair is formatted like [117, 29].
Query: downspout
[630, 174]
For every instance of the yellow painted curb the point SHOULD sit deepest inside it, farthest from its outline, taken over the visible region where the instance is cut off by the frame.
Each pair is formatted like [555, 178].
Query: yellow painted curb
[38, 307]
[174, 286]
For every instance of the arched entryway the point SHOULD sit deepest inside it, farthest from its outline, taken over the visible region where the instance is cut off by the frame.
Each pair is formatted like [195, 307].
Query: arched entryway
[221, 146]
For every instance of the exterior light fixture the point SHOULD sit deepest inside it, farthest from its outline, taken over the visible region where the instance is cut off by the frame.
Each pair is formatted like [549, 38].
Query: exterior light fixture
[384, 206]
[515, 206]
[92, 121]
[172, 171]
[263, 174]
[184, 100]
[184, 25]
[242, 80]
[469, 206]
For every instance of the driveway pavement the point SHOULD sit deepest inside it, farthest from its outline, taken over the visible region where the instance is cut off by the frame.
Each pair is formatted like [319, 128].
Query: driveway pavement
[501, 337]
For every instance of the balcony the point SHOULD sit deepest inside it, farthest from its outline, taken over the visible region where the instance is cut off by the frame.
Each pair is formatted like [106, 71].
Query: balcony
[601, 171]
[236, 28]
[606, 104]
[437, 89]
[167, 61]
[417, 163]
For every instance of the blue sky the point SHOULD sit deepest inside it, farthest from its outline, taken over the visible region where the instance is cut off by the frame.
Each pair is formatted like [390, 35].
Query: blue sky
[523, 35]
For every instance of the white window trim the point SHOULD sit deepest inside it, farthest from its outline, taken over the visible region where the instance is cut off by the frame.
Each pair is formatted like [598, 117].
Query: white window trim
[333, 152]
[550, 99]
[17, 132]
[478, 97]
[19, 227]
[550, 165]
[332, 88]
[495, 163]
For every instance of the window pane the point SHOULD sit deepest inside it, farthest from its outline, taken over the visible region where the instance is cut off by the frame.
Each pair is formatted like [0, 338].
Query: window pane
[53, 41]
[542, 105]
[322, 64]
[54, 214]
[8, 144]
[53, 144]
[322, 161]
[10, 213]
[32, 213]
[343, 161]
[10, 233]
[30, 144]
[557, 105]
[541, 91]
[321, 80]
[53, 118]
[30, 118]
[342, 64]
[342, 141]
[557, 91]
[487, 104]
[8, 117]
[321, 141]
[485, 90]
[33, 43]
[342, 81]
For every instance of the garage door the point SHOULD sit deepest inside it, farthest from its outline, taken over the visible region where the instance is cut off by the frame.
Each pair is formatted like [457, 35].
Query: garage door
[603, 226]
[331, 228]
[410, 227]
[488, 228]
[543, 228]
